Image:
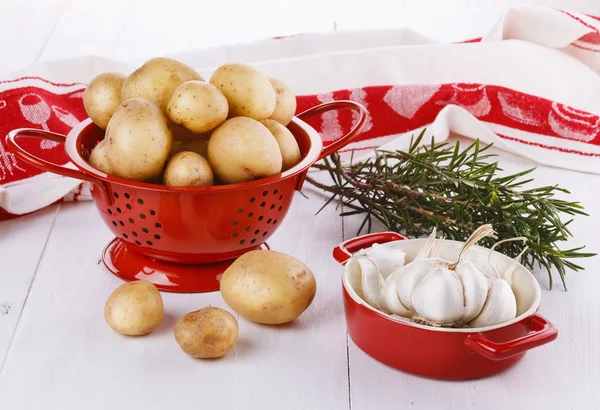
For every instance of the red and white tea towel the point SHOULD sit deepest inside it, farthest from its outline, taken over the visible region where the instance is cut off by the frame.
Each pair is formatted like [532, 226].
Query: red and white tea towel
[531, 85]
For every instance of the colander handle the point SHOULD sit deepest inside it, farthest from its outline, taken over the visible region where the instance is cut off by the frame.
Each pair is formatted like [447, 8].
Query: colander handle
[338, 105]
[42, 164]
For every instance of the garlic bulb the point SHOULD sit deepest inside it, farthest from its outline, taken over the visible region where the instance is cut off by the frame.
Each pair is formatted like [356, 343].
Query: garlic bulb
[386, 256]
[371, 280]
[443, 293]
[389, 301]
[374, 265]
[501, 304]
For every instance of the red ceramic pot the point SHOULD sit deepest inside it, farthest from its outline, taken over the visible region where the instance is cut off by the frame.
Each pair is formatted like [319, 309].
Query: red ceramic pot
[443, 352]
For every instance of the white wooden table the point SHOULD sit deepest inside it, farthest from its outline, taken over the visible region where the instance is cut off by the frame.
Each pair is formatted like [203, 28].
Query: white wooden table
[56, 352]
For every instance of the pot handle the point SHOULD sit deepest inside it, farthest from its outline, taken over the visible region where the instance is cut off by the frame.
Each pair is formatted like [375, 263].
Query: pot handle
[337, 105]
[44, 165]
[345, 250]
[541, 331]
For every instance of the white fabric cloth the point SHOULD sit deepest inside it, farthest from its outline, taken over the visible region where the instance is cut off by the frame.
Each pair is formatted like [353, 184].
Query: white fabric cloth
[538, 51]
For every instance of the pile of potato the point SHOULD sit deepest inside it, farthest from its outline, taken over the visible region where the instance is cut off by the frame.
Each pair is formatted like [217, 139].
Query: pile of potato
[263, 286]
[165, 124]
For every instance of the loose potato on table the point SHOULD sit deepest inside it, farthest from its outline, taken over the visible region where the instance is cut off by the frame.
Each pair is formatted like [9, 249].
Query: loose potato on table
[102, 97]
[138, 140]
[134, 309]
[197, 106]
[249, 93]
[290, 152]
[286, 102]
[157, 79]
[187, 168]
[242, 149]
[268, 287]
[207, 333]
[98, 158]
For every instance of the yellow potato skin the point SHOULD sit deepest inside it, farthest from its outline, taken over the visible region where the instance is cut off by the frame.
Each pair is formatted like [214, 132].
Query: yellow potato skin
[208, 333]
[242, 149]
[187, 168]
[286, 105]
[290, 151]
[139, 140]
[102, 97]
[157, 79]
[197, 106]
[248, 92]
[134, 309]
[98, 158]
[268, 287]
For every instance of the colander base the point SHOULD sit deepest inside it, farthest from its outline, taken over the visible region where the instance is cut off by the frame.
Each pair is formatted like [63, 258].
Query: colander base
[168, 277]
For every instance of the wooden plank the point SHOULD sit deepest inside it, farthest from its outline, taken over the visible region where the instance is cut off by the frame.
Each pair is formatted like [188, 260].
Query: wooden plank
[22, 242]
[561, 375]
[75, 360]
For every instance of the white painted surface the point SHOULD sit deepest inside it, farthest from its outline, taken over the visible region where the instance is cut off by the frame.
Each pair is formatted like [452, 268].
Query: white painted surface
[56, 351]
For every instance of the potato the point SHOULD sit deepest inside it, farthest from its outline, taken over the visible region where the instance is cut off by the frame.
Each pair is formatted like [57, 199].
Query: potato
[98, 158]
[290, 152]
[197, 106]
[242, 149]
[134, 309]
[207, 333]
[286, 102]
[139, 140]
[268, 287]
[102, 97]
[157, 79]
[249, 93]
[187, 168]
[199, 146]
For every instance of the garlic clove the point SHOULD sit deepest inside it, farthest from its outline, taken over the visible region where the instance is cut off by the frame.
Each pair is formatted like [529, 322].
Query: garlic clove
[371, 280]
[387, 257]
[413, 273]
[500, 305]
[438, 297]
[475, 289]
[389, 300]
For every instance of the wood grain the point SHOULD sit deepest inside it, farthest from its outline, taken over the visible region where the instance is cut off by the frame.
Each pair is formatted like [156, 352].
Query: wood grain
[22, 242]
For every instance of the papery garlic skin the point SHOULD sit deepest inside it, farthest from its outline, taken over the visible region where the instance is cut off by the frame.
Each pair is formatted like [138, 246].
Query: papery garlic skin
[387, 258]
[438, 296]
[371, 280]
[500, 305]
[389, 301]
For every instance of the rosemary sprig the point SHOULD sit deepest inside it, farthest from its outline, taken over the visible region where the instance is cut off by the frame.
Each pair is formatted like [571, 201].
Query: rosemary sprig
[456, 191]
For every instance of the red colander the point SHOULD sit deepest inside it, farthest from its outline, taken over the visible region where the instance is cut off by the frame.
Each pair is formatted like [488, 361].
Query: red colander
[183, 238]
